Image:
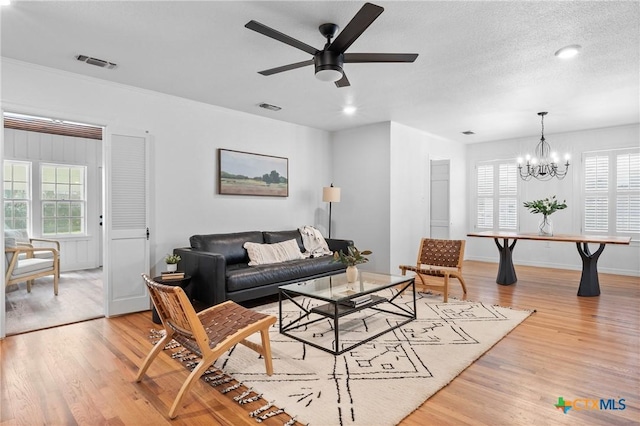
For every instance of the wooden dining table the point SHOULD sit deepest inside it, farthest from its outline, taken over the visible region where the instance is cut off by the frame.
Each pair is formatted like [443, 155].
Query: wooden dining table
[589, 284]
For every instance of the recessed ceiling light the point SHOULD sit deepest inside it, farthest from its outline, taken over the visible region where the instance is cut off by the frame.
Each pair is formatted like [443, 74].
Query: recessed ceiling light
[5, 2]
[568, 51]
[349, 110]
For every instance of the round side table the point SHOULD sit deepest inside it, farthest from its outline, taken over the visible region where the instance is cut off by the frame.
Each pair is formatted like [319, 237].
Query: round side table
[181, 282]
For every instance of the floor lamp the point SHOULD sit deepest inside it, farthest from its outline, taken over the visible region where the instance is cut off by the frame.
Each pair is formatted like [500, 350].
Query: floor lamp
[330, 194]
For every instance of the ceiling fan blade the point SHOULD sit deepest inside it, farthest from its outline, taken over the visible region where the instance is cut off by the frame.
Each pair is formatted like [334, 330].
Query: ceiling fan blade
[360, 22]
[277, 35]
[286, 67]
[355, 58]
[344, 81]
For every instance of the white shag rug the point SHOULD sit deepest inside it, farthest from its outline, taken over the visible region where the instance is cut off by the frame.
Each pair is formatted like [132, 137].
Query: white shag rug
[382, 381]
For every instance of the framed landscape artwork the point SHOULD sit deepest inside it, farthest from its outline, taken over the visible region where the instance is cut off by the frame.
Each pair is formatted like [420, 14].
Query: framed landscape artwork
[244, 173]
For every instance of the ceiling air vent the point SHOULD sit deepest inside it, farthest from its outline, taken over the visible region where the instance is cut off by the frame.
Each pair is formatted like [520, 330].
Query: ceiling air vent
[97, 62]
[269, 107]
[468, 132]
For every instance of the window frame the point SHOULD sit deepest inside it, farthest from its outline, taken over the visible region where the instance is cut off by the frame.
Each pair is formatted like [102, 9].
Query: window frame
[498, 197]
[62, 204]
[29, 189]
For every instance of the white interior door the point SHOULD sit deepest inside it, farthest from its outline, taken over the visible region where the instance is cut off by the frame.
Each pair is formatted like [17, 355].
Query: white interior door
[440, 219]
[125, 221]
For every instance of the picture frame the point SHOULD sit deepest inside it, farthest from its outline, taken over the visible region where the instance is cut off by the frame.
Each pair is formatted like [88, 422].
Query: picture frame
[246, 173]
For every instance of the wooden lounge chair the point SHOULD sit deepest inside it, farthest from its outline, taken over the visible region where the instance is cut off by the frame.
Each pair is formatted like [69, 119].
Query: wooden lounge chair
[209, 333]
[439, 258]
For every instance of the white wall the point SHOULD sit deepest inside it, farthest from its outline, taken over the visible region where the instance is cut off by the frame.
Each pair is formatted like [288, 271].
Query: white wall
[78, 252]
[615, 259]
[383, 170]
[186, 136]
[411, 154]
[361, 169]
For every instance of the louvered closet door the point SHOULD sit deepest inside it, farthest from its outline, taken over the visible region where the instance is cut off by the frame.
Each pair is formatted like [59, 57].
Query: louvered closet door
[126, 221]
[440, 217]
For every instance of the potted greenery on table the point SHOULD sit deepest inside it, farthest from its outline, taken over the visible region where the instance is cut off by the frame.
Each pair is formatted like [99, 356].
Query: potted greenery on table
[546, 207]
[172, 262]
[352, 258]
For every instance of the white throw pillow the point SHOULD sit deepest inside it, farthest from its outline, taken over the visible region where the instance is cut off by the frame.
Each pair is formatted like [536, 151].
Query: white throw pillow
[262, 254]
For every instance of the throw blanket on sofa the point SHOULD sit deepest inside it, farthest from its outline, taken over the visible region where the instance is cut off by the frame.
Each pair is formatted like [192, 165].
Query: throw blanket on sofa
[314, 243]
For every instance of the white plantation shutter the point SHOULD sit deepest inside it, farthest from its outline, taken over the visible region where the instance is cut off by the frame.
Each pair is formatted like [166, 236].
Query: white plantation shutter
[508, 213]
[628, 192]
[596, 201]
[497, 195]
[596, 173]
[596, 214]
[612, 192]
[508, 192]
[484, 212]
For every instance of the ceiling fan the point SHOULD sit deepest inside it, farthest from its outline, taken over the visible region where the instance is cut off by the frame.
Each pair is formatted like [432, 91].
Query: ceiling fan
[330, 60]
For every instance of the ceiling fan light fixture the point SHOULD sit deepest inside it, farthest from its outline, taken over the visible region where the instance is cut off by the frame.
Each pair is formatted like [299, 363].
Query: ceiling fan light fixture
[329, 73]
[329, 66]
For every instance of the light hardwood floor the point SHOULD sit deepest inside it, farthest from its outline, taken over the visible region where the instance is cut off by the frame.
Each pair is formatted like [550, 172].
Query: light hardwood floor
[571, 347]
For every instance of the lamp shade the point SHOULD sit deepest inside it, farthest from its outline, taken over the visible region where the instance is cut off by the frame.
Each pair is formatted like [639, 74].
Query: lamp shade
[331, 194]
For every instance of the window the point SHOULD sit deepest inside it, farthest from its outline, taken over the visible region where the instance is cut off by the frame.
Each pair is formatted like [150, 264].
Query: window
[17, 195]
[497, 195]
[612, 192]
[63, 199]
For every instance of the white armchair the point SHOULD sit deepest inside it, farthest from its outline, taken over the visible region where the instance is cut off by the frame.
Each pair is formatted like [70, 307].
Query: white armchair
[29, 267]
[42, 247]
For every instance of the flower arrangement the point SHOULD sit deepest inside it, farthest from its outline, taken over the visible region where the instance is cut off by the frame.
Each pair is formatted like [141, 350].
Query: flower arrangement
[171, 259]
[546, 206]
[353, 256]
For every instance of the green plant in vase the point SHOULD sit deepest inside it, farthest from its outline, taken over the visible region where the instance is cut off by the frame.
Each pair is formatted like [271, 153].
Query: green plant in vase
[351, 258]
[546, 207]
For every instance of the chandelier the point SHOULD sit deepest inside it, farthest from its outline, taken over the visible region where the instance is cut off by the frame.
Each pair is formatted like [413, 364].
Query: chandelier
[544, 164]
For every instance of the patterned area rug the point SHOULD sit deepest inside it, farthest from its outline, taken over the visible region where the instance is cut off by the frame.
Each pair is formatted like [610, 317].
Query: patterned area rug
[406, 365]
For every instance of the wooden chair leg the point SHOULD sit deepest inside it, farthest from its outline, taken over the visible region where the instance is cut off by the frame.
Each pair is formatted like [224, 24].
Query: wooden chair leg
[29, 284]
[266, 347]
[446, 288]
[464, 287]
[193, 377]
[151, 356]
[55, 284]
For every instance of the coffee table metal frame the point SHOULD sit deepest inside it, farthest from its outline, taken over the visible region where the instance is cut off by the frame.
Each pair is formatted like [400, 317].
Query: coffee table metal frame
[336, 306]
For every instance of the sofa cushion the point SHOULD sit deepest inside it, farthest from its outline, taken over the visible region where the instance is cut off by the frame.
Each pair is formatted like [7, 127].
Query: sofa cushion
[242, 277]
[228, 245]
[271, 237]
[261, 254]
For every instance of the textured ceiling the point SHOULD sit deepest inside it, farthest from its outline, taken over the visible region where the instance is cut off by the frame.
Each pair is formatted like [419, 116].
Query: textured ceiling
[483, 66]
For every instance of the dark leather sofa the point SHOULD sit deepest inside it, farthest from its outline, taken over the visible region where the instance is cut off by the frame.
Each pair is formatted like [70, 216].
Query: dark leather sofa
[218, 265]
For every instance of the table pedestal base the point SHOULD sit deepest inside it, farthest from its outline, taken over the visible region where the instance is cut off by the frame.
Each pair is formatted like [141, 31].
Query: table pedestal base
[506, 271]
[589, 284]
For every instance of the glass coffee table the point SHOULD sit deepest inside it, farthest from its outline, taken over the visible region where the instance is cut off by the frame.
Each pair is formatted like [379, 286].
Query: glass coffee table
[343, 299]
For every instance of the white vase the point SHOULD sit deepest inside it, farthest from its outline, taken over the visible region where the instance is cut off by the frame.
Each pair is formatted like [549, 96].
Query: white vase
[352, 274]
[545, 227]
[172, 267]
